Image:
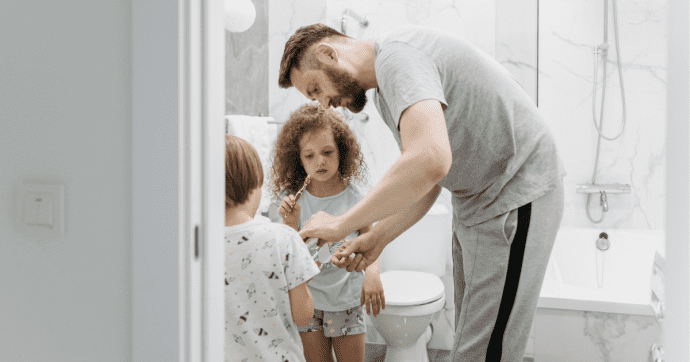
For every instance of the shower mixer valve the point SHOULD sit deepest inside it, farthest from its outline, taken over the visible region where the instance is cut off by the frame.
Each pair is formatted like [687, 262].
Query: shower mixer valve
[602, 201]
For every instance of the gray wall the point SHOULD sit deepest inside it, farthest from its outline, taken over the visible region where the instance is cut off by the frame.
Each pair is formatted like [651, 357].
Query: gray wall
[65, 116]
[246, 59]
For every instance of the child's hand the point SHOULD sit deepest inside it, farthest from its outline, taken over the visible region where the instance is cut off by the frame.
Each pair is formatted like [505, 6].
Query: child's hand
[289, 210]
[372, 294]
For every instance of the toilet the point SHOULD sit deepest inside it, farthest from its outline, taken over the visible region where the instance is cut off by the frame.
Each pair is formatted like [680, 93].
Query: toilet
[411, 267]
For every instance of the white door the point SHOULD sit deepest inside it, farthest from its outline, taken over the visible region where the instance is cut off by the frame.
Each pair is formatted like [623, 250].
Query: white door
[202, 85]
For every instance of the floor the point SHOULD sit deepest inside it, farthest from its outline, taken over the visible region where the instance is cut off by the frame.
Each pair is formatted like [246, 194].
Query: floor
[377, 352]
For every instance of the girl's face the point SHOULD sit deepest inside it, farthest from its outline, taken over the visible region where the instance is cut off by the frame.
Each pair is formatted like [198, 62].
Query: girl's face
[319, 155]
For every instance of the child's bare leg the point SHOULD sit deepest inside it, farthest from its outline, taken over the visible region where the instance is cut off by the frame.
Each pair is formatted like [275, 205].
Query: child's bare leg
[317, 347]
[349, 348]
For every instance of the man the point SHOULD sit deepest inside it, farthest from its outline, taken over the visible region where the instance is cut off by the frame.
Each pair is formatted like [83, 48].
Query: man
[463, 123]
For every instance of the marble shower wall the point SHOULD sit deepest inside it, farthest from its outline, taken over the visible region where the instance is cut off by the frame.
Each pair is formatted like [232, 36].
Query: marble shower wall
[246, 60]
[568, 30]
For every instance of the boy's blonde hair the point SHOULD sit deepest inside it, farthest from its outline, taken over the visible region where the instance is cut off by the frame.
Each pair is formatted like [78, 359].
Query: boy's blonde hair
[243, 171]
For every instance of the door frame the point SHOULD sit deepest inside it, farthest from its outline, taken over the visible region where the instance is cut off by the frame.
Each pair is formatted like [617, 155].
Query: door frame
[677, 281]
[178, 108]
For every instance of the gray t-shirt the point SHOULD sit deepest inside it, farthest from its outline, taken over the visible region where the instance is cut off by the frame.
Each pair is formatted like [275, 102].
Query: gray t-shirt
[334, 289]
[504, 155]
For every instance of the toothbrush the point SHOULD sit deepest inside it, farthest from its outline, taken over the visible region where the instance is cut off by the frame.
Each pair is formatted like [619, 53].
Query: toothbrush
[306, 183]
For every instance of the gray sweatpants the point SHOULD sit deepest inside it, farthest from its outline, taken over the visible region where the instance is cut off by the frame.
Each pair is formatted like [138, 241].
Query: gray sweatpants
[499, 267]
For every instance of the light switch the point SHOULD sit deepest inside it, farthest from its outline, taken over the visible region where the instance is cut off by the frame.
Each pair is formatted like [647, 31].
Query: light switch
[41, 209]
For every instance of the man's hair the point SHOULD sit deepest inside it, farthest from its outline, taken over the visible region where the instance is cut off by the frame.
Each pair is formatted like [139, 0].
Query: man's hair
[243, 171]
[295, 53]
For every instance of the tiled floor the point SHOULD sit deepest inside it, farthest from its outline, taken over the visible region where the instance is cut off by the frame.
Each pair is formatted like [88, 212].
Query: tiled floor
[377, 352]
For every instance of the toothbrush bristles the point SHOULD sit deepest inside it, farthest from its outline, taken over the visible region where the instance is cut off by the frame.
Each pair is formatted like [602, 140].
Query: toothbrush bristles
[306, 182]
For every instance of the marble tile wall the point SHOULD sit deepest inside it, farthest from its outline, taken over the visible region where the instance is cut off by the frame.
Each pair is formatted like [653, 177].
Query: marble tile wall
[568, 30]
[577, 336]
[516, 41]
[286, 17]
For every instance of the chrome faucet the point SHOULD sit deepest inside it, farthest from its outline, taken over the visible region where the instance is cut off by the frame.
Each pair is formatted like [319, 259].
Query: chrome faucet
[602, 201]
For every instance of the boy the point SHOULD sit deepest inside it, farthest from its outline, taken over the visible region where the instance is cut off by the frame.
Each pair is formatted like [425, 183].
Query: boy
[266, 272]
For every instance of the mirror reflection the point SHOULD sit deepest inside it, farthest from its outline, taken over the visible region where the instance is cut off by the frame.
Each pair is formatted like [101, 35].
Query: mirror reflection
[537, 211]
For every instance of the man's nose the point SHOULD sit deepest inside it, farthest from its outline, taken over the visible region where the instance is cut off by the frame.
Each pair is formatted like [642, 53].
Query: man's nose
[325, 102]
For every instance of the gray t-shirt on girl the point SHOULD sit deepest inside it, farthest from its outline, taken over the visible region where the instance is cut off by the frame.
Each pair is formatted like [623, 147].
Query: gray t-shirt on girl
[263, 261]
[334, 289]
[504, 155]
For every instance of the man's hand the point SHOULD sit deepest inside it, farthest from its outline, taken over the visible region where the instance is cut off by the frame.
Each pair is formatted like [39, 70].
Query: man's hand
[324, 226]
[366, 251]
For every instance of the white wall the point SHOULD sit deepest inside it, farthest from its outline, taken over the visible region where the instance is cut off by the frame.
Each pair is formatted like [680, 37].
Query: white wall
[65, 116]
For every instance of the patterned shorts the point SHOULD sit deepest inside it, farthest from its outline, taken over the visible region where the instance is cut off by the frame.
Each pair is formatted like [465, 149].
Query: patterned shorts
[336, 324]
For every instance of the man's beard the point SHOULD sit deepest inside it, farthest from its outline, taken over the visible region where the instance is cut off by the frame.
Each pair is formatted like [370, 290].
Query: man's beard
[347, 86]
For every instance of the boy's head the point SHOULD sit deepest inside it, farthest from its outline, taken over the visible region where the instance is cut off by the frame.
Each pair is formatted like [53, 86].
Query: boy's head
[287, 171]
[243, 171]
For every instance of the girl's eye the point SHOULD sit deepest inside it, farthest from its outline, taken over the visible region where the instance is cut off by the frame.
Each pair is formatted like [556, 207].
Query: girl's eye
[308, 156]
[328, 152]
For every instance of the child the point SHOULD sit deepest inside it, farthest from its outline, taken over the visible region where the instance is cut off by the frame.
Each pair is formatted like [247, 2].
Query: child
[316, 142]
[266, 271]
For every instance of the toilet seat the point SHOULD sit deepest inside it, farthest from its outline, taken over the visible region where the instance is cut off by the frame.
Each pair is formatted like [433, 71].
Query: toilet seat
[404, 288]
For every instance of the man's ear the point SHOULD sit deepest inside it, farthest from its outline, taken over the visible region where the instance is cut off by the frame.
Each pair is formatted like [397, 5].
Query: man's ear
[326, 54]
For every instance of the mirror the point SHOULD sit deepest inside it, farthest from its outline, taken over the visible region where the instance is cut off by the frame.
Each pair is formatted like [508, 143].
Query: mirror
[548, 47]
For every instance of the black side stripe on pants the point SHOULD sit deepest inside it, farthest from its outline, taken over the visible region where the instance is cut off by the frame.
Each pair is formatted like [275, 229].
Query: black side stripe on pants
[517, 252]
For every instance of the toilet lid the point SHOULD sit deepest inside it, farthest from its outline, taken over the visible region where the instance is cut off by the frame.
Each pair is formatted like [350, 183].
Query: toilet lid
[402, 287]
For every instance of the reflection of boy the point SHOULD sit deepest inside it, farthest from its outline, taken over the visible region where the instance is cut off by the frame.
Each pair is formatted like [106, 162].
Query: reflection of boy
[266, 271]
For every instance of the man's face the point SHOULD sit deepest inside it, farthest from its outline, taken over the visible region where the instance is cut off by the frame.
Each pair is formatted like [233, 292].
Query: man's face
[331, 87]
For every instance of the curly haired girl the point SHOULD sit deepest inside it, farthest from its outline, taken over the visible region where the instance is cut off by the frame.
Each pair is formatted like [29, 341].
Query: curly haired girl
[316, 149]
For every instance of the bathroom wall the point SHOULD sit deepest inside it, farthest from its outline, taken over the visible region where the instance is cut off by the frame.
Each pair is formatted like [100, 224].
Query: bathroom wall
[66, 116]
[574, 336]
[567, 32]
[517, 41]
[246, 59]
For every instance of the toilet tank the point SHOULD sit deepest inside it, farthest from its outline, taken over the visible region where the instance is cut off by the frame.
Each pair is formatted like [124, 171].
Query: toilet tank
[422, 247]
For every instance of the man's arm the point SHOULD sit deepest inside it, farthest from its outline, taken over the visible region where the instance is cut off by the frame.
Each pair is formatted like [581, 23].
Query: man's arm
[425, 160]
[370, 245]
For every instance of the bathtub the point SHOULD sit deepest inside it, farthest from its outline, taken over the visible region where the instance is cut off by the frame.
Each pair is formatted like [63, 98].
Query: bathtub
[623, 279]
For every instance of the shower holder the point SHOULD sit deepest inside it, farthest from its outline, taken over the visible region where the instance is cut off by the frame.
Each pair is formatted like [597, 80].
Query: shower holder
[607, 188]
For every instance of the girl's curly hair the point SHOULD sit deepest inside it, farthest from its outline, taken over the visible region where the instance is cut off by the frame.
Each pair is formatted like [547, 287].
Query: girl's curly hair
[287, 172]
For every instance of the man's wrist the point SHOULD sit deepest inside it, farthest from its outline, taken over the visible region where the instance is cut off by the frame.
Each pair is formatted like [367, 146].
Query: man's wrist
[346, 222]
